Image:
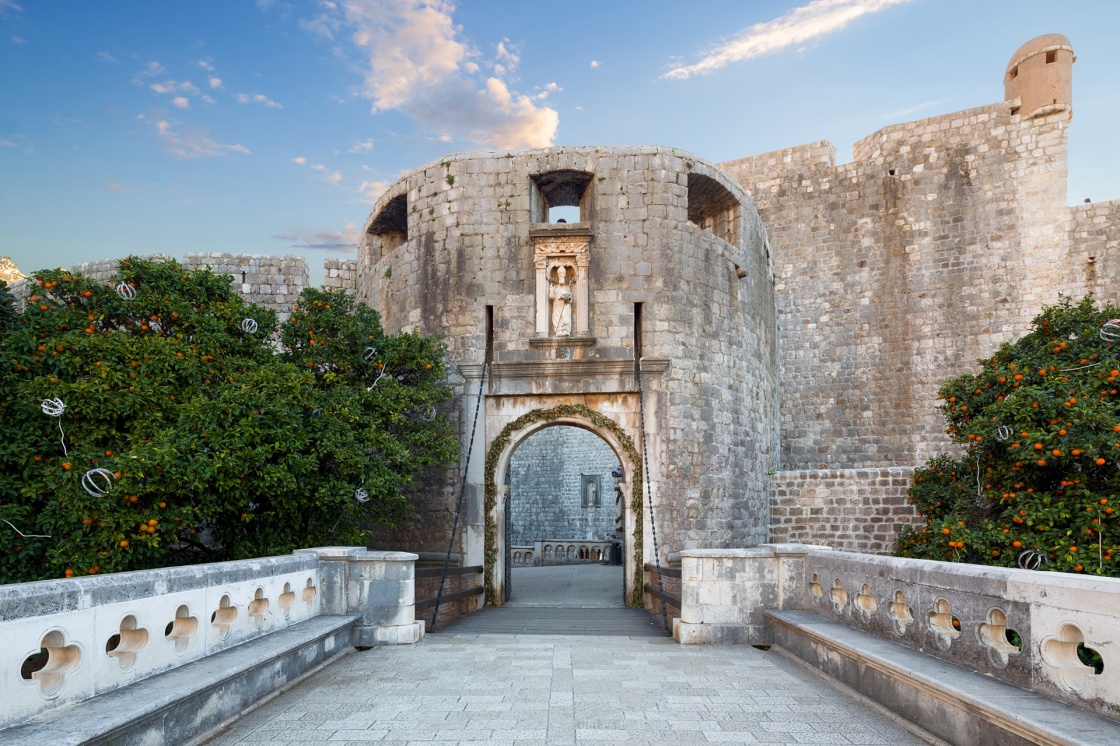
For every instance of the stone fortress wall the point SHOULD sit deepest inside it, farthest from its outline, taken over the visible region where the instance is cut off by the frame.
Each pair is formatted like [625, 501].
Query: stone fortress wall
[545, 477]
[897, 271]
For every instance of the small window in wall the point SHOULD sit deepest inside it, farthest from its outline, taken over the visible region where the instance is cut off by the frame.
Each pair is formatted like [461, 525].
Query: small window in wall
[711, 207]
[1013, 73]
[561, 196]
[591, 488]
[1051, 57]
[390, 228]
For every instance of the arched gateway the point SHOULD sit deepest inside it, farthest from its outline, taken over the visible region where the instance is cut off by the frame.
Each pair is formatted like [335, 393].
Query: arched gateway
[668, 264]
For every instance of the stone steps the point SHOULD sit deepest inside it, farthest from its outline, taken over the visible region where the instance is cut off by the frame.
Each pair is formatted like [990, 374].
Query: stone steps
[952, 703]
[184, 703]
[562, 620]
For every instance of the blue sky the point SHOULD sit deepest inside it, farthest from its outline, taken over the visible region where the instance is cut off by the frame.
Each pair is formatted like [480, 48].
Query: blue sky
[270, 127]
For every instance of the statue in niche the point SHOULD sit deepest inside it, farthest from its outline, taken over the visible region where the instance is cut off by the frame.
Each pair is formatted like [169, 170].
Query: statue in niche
[560, 292]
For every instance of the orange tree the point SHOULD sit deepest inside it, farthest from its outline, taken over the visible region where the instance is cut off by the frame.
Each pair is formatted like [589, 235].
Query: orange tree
[221, 435]
[1037, 476]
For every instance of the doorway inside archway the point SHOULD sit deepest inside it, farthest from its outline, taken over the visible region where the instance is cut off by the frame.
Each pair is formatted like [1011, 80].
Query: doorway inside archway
[565, 522]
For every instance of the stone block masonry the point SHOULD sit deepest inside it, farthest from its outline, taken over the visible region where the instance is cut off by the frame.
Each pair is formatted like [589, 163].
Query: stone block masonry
[858, 510]
[340, 274]
[546, 487]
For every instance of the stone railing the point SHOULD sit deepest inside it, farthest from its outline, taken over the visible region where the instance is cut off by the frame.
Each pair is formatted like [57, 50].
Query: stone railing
[554, 552]
[1057, 634]
[69, 640]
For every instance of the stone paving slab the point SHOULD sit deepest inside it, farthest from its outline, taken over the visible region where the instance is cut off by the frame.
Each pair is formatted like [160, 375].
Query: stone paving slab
[559, 690]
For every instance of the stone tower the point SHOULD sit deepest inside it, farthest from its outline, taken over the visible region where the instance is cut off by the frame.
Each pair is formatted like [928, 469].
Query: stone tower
[1040, 74]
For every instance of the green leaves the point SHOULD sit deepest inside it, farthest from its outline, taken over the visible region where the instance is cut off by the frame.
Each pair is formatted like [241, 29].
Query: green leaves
[1040, 430]
[226, 444]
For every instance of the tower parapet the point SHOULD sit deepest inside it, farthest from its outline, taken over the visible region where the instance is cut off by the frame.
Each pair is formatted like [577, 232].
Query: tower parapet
[1040, 75]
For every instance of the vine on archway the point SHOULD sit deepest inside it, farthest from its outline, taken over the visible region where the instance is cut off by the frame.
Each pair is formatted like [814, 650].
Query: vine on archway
[491, 493]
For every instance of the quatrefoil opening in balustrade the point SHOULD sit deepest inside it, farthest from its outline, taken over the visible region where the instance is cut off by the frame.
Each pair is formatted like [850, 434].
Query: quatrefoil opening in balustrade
[181, 629]
[900, 613]
[127, 642]
[838, 596]
[50, 666]
[309, 592]
[1072, 660]
[866, 603]
[943, 624]
[287, 600]
[224, 617]
[258, 608]
[1000, 641]
[815, 589]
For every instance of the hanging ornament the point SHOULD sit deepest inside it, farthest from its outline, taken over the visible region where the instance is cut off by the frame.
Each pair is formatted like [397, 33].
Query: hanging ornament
[249, 326]
[126, 291]
[97, 482]
[361, 495]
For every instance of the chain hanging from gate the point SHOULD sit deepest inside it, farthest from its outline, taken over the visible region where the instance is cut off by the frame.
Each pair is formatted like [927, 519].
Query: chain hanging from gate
[649, 494]
[462, 491]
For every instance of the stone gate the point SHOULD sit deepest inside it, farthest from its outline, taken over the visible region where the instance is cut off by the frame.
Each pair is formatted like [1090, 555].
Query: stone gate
[668, 265]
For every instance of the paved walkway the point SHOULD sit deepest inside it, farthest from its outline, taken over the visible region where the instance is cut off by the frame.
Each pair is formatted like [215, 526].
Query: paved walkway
[551, 691]
[467, 685]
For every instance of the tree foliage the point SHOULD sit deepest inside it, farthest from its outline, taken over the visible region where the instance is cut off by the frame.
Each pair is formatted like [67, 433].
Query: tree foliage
[1038, 471]
[222, 443]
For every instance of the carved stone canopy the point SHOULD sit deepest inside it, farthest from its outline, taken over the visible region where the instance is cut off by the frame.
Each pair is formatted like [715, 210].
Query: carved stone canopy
[554, 251]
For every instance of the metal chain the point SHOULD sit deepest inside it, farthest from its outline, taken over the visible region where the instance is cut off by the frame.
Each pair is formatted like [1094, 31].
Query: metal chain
[462, 491]
[649, 495]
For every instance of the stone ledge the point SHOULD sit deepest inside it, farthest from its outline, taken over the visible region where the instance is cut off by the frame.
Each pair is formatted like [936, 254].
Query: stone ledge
[950, 702]
[186, 702]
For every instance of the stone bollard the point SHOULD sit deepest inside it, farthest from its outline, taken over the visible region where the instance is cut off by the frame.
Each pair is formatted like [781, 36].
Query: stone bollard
[380, 587]
[726, 592]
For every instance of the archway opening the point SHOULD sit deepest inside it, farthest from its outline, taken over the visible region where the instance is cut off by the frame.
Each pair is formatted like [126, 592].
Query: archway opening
[565, 521]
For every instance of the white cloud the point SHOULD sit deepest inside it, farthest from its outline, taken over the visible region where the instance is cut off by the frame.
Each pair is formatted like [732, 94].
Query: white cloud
[17, 40]
[7, 144]
[206, 64]
[257, 98]
[106, 57]
[318, 167]
[325, 240]
[335, 177]
[152, 69]
[193, 143]
[9, 8]
[811, 21]
[174, 86]
[594, 64]
[208, 99]
[300, 160]
[215, 82]
[181, 102]
[361, 147]
[114, 187]
[373, 189]
[419, 63]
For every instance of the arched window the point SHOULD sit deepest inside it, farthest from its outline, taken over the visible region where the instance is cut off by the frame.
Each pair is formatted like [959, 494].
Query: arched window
[561, 196]
[390, 228]
[711, 207]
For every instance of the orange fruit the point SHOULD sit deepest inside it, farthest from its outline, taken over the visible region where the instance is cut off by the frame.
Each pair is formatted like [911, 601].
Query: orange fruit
[67, 467]
[69, 573]
[124, 544]
[1038, 446]
[1100, 462]
[1056, 452]
[1016, 544]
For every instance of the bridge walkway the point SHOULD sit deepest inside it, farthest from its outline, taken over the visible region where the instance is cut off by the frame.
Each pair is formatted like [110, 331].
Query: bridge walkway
[584, 672]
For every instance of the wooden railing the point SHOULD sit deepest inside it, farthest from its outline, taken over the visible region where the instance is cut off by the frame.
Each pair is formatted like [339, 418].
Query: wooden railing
[435, 572]
[671, 581]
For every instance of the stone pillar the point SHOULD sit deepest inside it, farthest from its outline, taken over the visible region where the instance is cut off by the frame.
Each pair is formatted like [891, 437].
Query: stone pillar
[332, 576]
[725, 592]
[542, 298]
[581, 322]
[379, 587]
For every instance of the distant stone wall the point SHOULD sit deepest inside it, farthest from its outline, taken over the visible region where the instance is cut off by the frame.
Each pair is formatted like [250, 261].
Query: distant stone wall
[545, 481]
[340, 274]
[271, 281]
[857, 510]
[103, 270]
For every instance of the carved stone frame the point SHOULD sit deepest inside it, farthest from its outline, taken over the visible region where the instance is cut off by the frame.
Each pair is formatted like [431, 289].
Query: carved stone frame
[550, 251]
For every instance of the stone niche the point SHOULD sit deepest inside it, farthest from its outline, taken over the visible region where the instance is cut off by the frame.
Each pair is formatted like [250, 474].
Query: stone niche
[561, 257]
